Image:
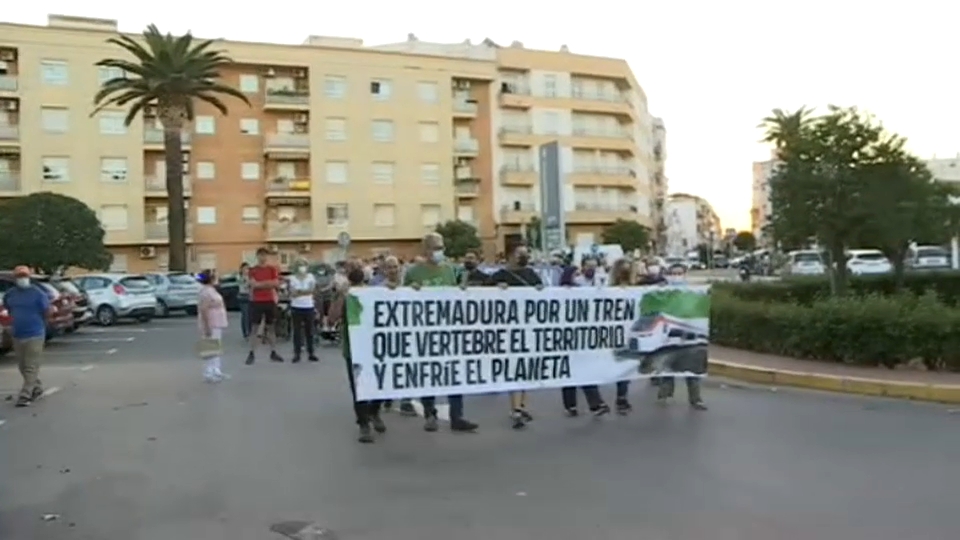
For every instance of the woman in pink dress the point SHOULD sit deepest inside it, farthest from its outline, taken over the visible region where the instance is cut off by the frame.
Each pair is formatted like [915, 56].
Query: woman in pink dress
[212, 321]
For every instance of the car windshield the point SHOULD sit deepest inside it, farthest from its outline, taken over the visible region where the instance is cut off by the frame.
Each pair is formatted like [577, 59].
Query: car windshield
[870, 256]
[182, 279]
[806, 257]
[136, 282]
[931, 252]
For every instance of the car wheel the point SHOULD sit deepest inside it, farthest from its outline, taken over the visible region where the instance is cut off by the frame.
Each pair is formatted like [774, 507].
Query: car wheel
[162, 309]
[106, 315]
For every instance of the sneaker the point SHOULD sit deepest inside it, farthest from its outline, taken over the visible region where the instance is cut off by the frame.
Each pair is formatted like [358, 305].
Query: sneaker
[37, 393]
[23, 401]
[211, 379]
[378, 424]
[313, 358]
[274, 357]
[571, 412]
[295, 360]
[623, 407]
[387, 406]
[250, 358]
[517, 418]
[431, 424]
[365, 435]
[698, 406]
[600, 410]
[461, 425]
[526, 416]
[406, 409]
[224, 376]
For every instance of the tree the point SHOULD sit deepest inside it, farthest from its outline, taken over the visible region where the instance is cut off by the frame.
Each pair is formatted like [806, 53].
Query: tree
[745, 241]
[459, 237]
[50, 233]
[629, 234]
[823, 188]
[173, 73]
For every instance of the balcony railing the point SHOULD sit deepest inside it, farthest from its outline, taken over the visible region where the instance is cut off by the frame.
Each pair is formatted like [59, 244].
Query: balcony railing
[9, 133]
[289, 229]
[282, 184]
[9, 182]
[297, 141]
[8, 83]
[466, 146]
[464, 174]
[601, 133]
[155, 136]
[604, 207]
[517, 168]
[287, 97]
[468, 189]
[580, 93]
[516, 130]
[466, 107]
[605, 171]
[519, 207]
[158, 231]
[158, 184]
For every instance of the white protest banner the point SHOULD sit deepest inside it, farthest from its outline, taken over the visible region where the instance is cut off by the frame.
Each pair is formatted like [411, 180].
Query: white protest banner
[445, 340]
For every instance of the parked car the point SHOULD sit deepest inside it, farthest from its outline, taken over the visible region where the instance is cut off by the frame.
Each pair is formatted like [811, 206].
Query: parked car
[928, 258]
[804, 262]
[119, 296]
[867, 261]
[82, 314]
[6, 333]
[60, 317]
[176, 291]
[229, 288]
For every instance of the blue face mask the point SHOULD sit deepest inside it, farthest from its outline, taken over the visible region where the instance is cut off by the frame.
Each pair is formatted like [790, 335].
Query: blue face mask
[438, 256]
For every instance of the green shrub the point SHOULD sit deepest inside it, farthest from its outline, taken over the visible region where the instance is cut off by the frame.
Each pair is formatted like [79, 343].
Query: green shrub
[872, 330]
[805, 290]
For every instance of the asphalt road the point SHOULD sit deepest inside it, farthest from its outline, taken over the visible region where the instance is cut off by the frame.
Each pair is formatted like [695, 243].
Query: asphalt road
[133, 446]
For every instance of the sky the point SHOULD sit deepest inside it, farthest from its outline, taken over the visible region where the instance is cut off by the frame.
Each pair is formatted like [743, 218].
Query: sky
[712, 70]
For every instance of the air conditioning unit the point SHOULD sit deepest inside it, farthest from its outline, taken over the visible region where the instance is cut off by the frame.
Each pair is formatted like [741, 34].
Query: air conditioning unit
[462, 162]
[302, 118]
[463, 85]
[304, 248]
[148, 252]
[4, 67]
[300, 73]
[270, 73]
[12, 105]
[274, 248]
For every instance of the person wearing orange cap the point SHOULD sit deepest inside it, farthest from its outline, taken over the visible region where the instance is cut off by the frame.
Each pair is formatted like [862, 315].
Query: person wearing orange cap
[28, 305]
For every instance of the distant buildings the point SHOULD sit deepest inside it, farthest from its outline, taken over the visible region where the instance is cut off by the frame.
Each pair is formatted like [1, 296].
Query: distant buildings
[691, 221]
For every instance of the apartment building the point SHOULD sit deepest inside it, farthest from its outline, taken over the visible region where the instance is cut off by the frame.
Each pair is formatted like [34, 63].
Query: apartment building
[691, 221]
[760, 207]
[381, 142]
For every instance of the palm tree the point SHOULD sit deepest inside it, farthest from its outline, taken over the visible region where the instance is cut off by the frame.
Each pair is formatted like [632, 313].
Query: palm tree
[171, 72]
[781, 127]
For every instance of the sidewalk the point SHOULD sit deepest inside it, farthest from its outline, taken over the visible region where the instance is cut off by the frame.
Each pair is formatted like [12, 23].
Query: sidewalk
[778, 370]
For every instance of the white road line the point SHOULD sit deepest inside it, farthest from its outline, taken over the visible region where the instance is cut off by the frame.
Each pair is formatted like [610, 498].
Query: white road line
[88, 367]
[51, 391]
[2, 422]
[443, 411]
[74, 352]
[111, 330]
[99, 340]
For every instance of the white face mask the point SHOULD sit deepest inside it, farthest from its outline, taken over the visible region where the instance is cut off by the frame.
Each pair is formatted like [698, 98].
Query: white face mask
[301, 270]
[438, 256]
[676, 280]
[653, 269]
[23, 282]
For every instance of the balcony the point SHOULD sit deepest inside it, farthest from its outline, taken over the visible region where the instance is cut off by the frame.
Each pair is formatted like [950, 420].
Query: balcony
[157, 232]
[601, 213]
[8, 83]
[599, 102]
[518, 175]
[618, 139]
[517, 213]
[9, 183]
[468, 189]
[464, 108]
[519, 136]
[286, 100]
[9, 135]
[288, 187]
[156, 186]
[287, 145]
[153, 139]
[289, 230]
[515, 96]
[616, 176]
[466, 147]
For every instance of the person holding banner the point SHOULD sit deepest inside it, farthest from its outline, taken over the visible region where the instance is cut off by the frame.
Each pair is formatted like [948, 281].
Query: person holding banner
[569, 393]
[518, 273]
[390, 272]
[621, 275]
[677, 275]
[472, 275]
[434, 272]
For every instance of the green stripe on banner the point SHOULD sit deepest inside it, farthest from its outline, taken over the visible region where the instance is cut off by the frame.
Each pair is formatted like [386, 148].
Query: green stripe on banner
[683, 304]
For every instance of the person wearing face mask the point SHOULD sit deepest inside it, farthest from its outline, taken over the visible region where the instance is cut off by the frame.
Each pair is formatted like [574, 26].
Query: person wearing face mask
[472, 275]
[678, 276]
[518, 273]
[302, 286]
[622, 276]
[568, 394]
[434, 272]
[28, 305]
[391, 278]
[589, 276]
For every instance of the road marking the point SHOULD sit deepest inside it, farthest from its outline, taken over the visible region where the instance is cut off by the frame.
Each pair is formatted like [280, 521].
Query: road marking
[100, 340]
[88, 367]
[2, 422]
[74, 352]
[443, 411]
[50, 391]
[111, 330]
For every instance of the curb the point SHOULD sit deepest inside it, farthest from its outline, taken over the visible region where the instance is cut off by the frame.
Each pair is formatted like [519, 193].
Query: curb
[940, 393]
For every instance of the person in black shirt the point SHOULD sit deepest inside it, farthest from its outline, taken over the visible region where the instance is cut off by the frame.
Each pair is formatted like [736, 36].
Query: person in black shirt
[518, 273]
[591, 391]
[472, 276]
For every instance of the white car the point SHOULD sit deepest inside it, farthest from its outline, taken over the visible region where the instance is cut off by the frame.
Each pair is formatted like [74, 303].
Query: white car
[119, 296]
[806, 262]
[928, 258]
[867, 261]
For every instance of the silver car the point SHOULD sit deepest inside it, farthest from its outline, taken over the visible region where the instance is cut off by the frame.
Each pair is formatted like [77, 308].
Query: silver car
[176, 291]
[119, 296]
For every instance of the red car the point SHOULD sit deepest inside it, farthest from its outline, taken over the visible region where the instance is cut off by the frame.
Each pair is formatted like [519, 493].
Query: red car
[6, 333]
[61, 315]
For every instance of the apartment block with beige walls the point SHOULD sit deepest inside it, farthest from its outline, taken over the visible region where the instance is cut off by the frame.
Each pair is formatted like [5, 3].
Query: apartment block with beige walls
[381, 142]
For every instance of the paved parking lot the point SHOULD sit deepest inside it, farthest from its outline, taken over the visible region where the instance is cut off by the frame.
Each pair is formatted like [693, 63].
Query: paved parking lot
[135, 446]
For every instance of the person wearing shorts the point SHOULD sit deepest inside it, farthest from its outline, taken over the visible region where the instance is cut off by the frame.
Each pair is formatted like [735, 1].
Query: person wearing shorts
[264, 279]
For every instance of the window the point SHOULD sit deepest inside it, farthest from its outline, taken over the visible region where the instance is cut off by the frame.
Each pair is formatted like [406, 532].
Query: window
[384, 215]
[336, 172]
[113, 170]
[287, 170]
[113, 217]
[250, 214]
[429, 132]
[206, 170]
[250, 170]
[550, 85]
[119, 263]
[206, 215]
[381, 89]
[465, 214]
[105, 74]
[56, 169]
[338, 215]
[430, 214]
[335, 86]
[430, 173]
[249, 126]
[383, 130]
[205, 125]
[54, 72]
[285, 125]
[207, 260]
[383, 172]
[551, 122]
[111, 123]
[249, 84]
[336, 129]
[54, 119]
[427, 91]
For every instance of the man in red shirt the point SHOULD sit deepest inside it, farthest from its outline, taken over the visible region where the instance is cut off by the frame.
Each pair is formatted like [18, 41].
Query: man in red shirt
[264, 280]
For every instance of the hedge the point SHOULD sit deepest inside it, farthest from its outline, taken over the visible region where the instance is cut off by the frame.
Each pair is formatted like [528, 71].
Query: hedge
[805, 290]
[871, 330]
